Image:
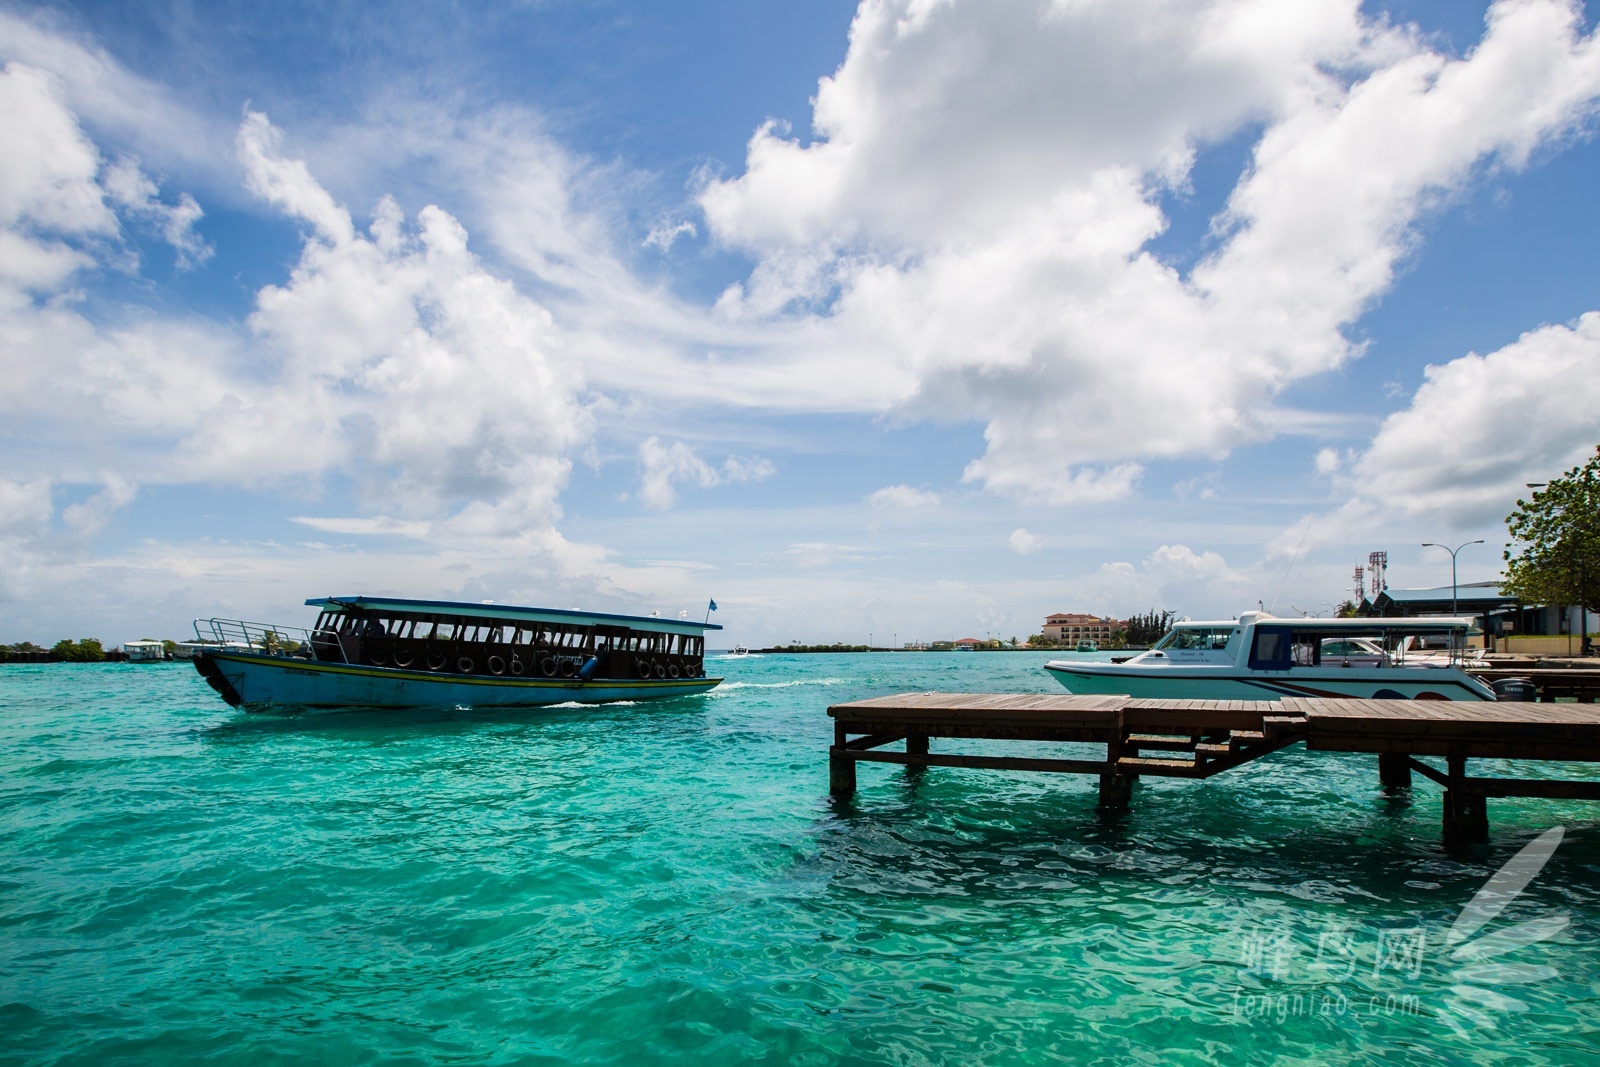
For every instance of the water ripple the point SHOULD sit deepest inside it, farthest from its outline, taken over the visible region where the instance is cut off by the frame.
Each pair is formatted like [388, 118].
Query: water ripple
[669, 884]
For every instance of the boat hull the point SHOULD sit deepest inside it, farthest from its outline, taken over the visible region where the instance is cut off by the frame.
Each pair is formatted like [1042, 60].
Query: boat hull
[1232, 683]
[260, 681]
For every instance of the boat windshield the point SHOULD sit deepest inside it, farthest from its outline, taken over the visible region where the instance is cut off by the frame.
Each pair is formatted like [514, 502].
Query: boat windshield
[1196, 638]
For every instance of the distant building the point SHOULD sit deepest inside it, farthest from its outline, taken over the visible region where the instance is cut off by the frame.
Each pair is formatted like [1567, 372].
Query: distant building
[1068, 629]
[1498, 614]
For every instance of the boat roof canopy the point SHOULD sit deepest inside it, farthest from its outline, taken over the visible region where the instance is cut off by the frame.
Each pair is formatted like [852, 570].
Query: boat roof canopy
[508, 613]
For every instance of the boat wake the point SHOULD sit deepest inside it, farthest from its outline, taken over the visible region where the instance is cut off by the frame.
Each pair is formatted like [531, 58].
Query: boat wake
[727, 686]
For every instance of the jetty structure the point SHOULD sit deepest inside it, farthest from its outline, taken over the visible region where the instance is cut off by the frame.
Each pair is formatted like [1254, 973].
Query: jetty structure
[1178, 738]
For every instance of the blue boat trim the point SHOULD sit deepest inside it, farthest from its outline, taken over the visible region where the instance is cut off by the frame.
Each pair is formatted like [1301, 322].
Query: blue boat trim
[464, 688]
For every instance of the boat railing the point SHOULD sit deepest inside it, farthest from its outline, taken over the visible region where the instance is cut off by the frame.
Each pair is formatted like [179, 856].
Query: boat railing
[265, 639]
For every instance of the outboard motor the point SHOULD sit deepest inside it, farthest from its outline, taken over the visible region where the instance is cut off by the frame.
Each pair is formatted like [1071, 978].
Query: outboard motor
[1521, 690]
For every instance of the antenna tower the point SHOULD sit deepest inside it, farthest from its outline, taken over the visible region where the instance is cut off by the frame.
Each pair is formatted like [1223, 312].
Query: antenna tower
[1361, 588]
[1377, 563]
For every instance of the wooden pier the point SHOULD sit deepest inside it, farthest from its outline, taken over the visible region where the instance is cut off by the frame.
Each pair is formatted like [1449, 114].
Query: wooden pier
[1200, 738]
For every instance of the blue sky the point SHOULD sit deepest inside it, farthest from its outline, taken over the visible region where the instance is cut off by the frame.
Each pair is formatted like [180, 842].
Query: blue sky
[910, 319]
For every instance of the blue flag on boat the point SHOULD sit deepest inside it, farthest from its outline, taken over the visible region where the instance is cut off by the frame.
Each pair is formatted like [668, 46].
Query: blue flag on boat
[713, 606]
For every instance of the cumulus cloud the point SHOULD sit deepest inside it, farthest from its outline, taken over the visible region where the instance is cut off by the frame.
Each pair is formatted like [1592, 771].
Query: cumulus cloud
[395, 357]
[287, 183]
[903, 498]
[24, 506]
[1482, 426]
[1024, 543]
[1174, 577]
[662, 466]
[975, 207]
[141, 114]
[90, 517]
[48, 187]
[128, 186]
[390, 357]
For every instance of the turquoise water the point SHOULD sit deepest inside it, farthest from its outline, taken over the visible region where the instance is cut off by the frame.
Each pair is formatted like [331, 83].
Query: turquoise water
[669, 883]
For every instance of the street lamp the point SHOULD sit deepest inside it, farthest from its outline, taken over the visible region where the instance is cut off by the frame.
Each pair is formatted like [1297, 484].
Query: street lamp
[1452, 551]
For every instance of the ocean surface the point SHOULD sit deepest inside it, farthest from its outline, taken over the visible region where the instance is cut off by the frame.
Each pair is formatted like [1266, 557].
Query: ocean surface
[670, 883]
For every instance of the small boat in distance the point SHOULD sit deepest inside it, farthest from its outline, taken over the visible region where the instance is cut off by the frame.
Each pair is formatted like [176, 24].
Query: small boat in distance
[739, 650]
[1260, 657]
[1087, 646]
[393, 653]
[145, 651]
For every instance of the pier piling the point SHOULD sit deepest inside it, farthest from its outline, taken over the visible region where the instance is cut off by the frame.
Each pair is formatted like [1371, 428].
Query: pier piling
[1394, 770]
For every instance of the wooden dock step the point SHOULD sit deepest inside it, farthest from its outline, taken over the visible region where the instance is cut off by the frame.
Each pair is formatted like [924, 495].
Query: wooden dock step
[1278, 727]
[1166, 742]
[1176, 768]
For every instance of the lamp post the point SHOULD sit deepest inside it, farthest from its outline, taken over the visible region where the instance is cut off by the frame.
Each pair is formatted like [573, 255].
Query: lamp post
[1452, 551]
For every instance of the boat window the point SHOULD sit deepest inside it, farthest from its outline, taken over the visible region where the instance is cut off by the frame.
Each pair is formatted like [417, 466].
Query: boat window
[1197, 638]
[1273, 649]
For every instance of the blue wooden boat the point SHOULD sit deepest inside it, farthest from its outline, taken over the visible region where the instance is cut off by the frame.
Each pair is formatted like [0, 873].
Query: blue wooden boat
[393, 653]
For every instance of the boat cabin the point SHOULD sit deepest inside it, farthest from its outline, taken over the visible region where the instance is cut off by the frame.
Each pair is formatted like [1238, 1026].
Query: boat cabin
[1262, 642]
[460, 638]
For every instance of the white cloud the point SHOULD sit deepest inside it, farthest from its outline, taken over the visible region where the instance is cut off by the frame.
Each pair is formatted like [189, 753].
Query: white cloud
[948, 119]
[903, 498]
[287, 183]
[25, 507]
[47, 183]
[390, 356]
[128, 186]
[1482, 426]
[399, 359]
[140, 115]
[1024, 543]
[737, 469]
[47, 176]
[666, 234]
[90, 517]
[663, 465]
[969, 225]
[1173, 577]
[379, 525]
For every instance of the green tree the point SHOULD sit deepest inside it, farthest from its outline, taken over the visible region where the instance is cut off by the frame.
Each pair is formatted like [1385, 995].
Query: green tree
[1554, 557]
[1147, 629]
[88, 650]
[1346, 610]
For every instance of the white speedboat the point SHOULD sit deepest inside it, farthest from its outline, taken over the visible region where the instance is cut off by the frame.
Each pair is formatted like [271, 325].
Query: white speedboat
[392, 653]
[1260, 657]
